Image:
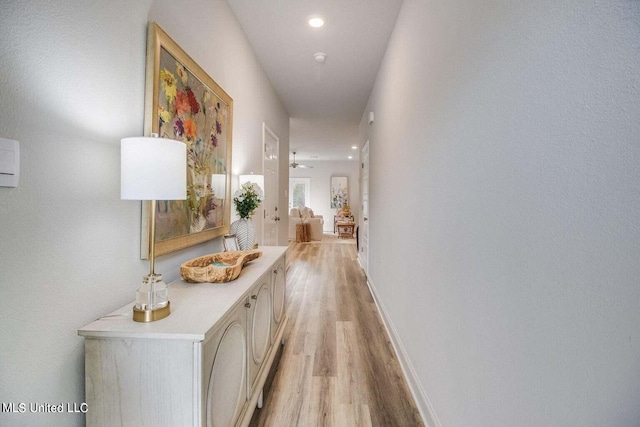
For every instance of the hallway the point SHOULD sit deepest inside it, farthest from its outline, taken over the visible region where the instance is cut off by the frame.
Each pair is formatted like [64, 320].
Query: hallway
[338, 367]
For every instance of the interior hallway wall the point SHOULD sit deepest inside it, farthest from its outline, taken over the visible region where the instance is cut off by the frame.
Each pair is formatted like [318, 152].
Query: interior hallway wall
[505, 153]
[72, 86]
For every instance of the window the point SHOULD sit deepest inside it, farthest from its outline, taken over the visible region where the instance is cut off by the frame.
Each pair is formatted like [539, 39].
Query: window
[299, 192]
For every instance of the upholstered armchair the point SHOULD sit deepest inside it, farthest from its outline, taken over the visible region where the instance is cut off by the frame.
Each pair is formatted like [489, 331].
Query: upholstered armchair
[304, 214]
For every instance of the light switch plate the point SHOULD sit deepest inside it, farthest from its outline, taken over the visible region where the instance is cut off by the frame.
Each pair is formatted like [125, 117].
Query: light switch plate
[9, 162]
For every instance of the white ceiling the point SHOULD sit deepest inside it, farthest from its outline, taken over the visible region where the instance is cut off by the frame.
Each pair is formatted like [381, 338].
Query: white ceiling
[325, 101]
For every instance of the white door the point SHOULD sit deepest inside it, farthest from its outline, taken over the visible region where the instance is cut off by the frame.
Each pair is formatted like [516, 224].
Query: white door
[270, 169]
[363, 254]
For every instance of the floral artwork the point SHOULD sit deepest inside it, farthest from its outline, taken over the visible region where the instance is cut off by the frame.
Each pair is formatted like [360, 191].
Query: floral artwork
[190, 107]
[190, 112]
[339, 192]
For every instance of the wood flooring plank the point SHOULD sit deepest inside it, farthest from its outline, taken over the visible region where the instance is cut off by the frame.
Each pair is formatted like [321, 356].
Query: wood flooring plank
[325, 361]
[321, 410]
[352, 415]
[363, 416]
[349, 389]
[289, 398]
[382, 373]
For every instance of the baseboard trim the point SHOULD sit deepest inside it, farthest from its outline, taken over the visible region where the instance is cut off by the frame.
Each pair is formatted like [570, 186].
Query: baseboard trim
[419, 395]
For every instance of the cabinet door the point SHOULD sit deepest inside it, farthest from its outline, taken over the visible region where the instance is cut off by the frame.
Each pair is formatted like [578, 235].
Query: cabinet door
[226, 354]
[259, 323]
[278, 295]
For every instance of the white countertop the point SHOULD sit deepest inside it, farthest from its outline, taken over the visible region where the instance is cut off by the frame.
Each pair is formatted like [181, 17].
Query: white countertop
[196, 308]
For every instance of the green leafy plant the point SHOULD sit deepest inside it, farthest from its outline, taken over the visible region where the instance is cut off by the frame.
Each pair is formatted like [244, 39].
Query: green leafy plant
[247, 199]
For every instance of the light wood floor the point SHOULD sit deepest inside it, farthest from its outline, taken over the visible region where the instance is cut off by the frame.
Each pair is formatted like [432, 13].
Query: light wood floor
[338, 367]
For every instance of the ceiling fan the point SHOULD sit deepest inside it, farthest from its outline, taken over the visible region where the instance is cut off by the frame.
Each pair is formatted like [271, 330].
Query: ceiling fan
[297, 165]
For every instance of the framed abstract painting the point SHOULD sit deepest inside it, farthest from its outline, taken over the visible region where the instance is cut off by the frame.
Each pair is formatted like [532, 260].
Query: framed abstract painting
[183, 103]
[339, 192]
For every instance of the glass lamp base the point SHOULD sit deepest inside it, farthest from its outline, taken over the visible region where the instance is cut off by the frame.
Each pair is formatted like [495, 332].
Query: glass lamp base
[140, 315]
[152, 299]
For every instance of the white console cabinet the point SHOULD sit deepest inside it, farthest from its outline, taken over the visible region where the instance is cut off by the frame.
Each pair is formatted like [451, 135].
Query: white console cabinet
[204, 365]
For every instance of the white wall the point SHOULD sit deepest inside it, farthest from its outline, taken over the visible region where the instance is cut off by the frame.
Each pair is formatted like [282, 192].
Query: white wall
[72, 86]
[320, 181]
[506, 138]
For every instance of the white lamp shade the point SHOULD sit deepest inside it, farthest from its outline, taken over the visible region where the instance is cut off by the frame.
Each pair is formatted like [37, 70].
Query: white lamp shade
[153, 169]
[258, 179]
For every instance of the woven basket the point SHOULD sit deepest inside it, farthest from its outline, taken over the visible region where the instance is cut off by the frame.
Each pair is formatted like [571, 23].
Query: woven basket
[216, 268]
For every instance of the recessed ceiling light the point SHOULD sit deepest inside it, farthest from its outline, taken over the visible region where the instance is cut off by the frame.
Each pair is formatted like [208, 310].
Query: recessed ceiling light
[320, 57]
[350, 157]
[316, 21]
[354, 147]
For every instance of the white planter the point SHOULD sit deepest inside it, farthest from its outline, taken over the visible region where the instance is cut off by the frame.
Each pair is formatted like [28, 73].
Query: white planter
[245, 231]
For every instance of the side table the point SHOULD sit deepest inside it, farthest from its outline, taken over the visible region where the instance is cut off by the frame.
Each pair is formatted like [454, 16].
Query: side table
[345, 229]
[337, 219]
[303, 232]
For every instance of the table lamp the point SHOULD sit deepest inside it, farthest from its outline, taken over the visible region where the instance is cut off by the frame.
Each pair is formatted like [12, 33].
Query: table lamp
[219, 185]
[258, 179]
[152, 169]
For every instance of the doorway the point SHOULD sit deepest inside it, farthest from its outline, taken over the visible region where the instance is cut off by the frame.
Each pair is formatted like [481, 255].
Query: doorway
[270, 168]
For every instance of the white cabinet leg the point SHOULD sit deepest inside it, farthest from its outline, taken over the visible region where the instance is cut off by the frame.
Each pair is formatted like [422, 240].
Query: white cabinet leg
[260, 402]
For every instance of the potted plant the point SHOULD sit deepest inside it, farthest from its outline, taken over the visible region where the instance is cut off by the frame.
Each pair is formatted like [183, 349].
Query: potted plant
[246, 199]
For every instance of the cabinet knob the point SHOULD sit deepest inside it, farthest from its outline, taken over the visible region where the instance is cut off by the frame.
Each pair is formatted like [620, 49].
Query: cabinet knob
[254, 296]
[248, 305]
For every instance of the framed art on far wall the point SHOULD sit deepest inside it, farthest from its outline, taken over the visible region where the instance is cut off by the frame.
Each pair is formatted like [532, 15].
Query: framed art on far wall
[183, 103]
[339, 192]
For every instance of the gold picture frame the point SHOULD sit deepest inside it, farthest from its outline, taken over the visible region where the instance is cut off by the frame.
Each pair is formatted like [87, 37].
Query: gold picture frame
[183, 103]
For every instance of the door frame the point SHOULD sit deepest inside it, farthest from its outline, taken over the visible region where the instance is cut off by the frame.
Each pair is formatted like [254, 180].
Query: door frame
[364, 218]
[266, 130]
